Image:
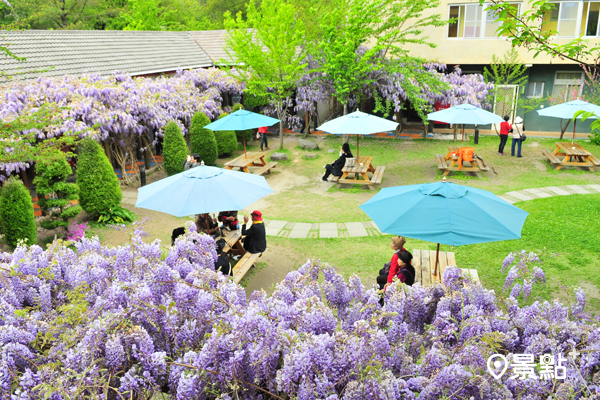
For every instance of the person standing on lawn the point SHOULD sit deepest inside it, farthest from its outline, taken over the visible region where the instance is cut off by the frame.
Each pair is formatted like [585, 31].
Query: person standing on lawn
[255, 240]
[518, 130]
[505, 128]
[263, 138]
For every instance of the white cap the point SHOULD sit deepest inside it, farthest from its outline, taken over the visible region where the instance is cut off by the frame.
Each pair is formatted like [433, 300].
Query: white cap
[518, 120]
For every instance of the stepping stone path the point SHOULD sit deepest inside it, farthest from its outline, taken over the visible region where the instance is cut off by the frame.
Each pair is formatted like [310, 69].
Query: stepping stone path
[279, 157]
[305, 230]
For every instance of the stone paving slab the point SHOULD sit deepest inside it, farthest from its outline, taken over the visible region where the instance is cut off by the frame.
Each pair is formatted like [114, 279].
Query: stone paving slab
[578, 189]
[274, 227]
[557, 190]
[537, 193]
[509, 199]
[356, 229]
[595, 187]
[328, 230]
[520, 196]
[300, 230]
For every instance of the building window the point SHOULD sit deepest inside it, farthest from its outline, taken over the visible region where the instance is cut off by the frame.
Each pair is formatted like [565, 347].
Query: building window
[535, 90]
[563, 19]
[567, 85]
[591, 11]
[474, 21]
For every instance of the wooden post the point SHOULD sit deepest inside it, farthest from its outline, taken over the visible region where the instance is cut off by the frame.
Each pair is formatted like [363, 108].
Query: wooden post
[357, 139]
[437, 257]
[146, 156]
[455, 131]
[574, 126]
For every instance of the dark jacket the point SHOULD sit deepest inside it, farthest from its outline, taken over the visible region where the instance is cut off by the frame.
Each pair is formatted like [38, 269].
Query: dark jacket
[223, 264]
[256, 238]
[339, 164]
[229, 224]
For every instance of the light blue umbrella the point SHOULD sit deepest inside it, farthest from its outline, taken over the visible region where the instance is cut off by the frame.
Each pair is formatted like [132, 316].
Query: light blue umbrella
[464, 114]
[445, 213]
[202, 190]
[567, 111]
[241, 120]
[358, 123]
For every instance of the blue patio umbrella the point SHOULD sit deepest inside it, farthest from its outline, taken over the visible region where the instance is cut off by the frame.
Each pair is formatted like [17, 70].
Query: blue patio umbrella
[202, 190]
[358, 123]
[464, 114]
[567, 111]
[445, 213]
[241, 120]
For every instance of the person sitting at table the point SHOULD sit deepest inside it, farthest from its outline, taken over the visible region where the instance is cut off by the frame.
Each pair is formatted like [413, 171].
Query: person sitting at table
[255, 238]
[210, 228]
[191, 161]
[335, 167]
[404, 270]
[397, 245]
[222, 263]
[176, 233]
[229, 220]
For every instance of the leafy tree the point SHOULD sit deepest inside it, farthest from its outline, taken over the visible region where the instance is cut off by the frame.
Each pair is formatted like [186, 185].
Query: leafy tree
[202, 140]
[59, 14]
[268, 47]
[226, 140]
[99, 189]
[16, 214]
[54, 193]
[174, 149]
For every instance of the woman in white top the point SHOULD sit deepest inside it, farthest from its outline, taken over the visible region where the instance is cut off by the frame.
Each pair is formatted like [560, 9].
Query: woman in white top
[518, 130]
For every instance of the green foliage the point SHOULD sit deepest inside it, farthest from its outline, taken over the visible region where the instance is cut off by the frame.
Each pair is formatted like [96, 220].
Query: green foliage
[269, 48]
[202, 140]
[236, 107]
[252, 101]
[174, 149]
[99, 188]
[116, 215]
[16, 214]
[54, 193]
[595, 126]
[226, 140]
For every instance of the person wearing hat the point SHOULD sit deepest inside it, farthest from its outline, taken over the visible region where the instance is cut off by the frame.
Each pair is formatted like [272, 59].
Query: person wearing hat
[517, 136]
[255, 240]
[402, 269]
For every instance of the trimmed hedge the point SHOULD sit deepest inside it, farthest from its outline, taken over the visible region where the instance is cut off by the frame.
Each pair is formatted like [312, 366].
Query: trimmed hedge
[99, 188]
[248, 132]
[51, 181]
[202, 141]
[16, 214]
[226, 140]
[174, 149]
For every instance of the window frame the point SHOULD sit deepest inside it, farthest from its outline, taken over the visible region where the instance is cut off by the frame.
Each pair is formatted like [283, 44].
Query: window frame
[587, 20]
[535, 83]
[568, 82]
[578, 18]
[482, 21]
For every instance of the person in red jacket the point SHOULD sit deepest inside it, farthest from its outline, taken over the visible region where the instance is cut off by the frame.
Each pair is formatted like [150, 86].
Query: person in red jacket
[399, 266]
[505, 129]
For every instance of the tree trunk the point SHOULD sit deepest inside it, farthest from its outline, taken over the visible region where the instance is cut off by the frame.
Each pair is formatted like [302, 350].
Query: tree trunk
[564, 128]
[107, 151]
[306, 123]
[399, 121]
[346, 137]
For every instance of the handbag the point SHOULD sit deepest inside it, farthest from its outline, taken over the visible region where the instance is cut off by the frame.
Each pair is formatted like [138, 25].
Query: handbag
[350, 162]
[522, 136]
[257, 135]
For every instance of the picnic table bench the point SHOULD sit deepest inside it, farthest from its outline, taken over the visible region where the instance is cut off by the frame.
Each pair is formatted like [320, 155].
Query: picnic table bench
[360, 170]
[252, 159]
[424, 263]
[266, 168]
[243, 265]
[233, 245]
[476, 166]
[574, 155]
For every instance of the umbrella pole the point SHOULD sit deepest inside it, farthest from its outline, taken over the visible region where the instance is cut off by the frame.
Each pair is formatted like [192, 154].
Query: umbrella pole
[244, 136]
[463, 134]
[574, 125]
[357, 139]
[437, 257]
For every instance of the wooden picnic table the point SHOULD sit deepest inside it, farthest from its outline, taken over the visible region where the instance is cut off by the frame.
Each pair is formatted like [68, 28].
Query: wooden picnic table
[424, 263]
[360, 170]
[252, 159]
[234, 243]
[476, 166]
[567, 154]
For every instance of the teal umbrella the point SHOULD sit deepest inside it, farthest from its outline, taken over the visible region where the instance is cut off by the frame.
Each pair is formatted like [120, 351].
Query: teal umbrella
[358, 123]
[464, 114]
[567, 111]
[445, 213]
[202, 190]
[241, 120]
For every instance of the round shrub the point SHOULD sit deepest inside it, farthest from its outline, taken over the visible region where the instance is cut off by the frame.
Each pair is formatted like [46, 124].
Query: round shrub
[174, 149]
[54, 193]
[99, 188]
[16, 214]
[202, 141]
[226, 140]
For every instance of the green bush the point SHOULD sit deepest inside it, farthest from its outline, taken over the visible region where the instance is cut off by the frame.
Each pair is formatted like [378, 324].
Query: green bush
[174, 149]
[202, 141]
[239, 134]
[54, 193]
[116, 215]
[251, 101]
[16, 214]
[226, 140]
[99, 188]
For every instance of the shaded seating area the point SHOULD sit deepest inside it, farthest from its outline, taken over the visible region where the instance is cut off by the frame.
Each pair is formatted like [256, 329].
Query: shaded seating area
[571, 155]
[424, 263]
[454, 161]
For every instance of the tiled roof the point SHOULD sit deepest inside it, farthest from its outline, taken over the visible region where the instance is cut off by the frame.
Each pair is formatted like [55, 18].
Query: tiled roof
[100, 52]
[213, 43]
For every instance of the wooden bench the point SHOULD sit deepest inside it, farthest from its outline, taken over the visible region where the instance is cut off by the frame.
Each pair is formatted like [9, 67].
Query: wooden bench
[551, 157]
[481, 164]
[243, 265]
[265, 169]
[335, 178]
[595, 160]
[424, 263]
[377, 175]
[441, 162]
